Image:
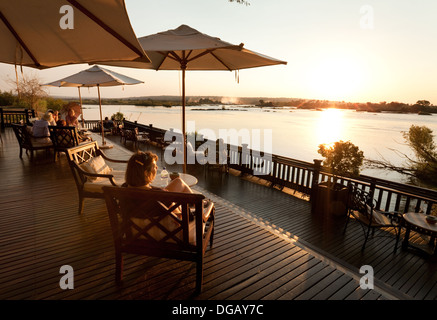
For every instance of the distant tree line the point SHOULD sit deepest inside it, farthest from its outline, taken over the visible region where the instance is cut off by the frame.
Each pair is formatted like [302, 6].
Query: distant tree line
[421, 106]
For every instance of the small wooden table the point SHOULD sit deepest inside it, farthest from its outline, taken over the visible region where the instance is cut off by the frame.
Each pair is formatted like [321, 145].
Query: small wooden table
[162, 183]
[417, 222]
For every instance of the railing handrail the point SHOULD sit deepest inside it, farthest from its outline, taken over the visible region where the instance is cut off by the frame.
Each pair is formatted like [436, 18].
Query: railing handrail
[9, 116]
[303, 175]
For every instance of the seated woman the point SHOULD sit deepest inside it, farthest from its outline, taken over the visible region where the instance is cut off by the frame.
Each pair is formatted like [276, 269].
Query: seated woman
[55, 115]
[61, 123]
[141, 171]
[40, 127]
[71, 118]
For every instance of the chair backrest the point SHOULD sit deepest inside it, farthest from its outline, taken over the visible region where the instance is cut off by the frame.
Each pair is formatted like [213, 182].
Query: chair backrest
[129, 135]
[78, 155]
[83, 152]
[22, 135]
[143, 221]
[64, 137]
[362, 202]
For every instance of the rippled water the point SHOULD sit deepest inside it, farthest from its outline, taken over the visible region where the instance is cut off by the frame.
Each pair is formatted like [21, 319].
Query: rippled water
[295, 133]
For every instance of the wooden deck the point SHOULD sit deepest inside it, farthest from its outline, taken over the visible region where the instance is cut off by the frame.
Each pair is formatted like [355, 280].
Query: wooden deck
[267, 246]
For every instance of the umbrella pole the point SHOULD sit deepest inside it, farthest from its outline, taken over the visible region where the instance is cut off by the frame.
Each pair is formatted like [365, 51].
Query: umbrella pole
[81, 110]
[101, 119]
[184, 136]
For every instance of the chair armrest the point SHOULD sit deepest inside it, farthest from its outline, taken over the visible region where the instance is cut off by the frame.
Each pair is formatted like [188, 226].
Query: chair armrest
[393, 215]
[96, 175]
[207, 211]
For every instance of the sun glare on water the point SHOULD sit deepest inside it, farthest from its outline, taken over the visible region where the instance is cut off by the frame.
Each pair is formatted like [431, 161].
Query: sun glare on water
[330, 126]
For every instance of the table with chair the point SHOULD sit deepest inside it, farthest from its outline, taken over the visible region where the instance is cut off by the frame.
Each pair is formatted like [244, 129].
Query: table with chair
[134, 135]
[189, 179]
[424, 225]
[362, 207]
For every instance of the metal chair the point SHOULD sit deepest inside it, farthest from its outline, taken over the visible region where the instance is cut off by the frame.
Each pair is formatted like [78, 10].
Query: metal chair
[362, 207]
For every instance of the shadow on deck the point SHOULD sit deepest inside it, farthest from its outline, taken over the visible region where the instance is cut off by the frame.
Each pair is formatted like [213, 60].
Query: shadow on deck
[267, 245]
[406, 275]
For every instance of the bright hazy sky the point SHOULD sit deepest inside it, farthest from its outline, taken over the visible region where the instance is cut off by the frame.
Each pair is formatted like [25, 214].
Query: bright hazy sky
[350, 50]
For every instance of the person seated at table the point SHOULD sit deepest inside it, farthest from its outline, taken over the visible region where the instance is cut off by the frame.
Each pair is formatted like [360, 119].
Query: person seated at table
[40, 127]
[141, 171]
[55, 115]
[71, 118]
[108, 124]
[61, 123]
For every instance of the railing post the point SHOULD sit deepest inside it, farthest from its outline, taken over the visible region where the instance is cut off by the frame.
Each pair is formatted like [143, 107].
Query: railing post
[372, 188]
[26, 116]
[315, 183]
[2, 120]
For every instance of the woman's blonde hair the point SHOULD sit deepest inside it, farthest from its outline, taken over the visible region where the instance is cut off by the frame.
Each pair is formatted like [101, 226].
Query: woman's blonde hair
[48, 116]
[139, 169]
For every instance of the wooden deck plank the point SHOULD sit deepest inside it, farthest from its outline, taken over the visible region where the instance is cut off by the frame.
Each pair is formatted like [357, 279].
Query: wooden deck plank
[40, 230]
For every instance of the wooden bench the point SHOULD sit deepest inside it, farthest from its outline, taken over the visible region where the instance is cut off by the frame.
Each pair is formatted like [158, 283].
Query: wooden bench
[90, 179]
[28, 142]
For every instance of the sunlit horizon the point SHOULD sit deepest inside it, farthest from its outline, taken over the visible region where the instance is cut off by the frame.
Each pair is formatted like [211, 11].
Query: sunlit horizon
[336, 50]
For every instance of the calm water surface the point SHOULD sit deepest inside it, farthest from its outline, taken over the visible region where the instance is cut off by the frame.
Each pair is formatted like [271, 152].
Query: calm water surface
[295, 133]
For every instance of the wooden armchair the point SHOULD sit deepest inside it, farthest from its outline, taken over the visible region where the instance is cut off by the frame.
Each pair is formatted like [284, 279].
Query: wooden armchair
[63, 138]
[143, 222]
[362, 207]
[28, 142]
[91, 171]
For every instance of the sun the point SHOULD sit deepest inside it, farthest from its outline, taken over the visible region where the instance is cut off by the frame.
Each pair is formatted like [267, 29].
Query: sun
[336, 78]
[330, 126]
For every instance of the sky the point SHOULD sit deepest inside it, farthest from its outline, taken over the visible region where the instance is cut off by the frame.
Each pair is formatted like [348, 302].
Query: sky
[341, 50]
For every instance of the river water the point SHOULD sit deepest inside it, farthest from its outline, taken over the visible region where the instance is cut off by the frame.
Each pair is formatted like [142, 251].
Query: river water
[292, 132]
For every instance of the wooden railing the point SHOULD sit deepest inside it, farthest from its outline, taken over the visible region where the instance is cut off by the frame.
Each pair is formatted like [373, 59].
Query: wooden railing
[9, 116]
[305, 176]
[90, 124]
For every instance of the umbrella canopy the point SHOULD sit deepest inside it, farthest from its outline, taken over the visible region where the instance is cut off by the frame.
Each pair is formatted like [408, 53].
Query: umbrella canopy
[185, 48]
[95, 76]
[50, 33]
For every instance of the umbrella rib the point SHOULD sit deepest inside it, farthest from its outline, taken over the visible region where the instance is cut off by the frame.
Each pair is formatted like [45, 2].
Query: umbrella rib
[219, 60]
[15, 34]
[111, 31]
[209, 51]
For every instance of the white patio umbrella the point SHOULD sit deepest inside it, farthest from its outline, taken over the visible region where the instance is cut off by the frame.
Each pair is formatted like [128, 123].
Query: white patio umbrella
[185, 48]
[51, 33]
[95, 76]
